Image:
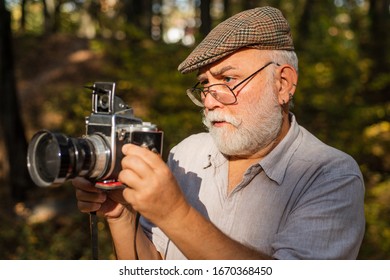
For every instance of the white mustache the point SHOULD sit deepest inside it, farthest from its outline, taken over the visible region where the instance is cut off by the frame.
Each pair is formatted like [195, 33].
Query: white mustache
[217, 116]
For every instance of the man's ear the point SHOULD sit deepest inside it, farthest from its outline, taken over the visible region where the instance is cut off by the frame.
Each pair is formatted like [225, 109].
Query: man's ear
[288, 77]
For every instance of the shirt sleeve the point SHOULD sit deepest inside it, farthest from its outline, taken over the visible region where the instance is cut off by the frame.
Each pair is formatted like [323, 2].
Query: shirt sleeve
[327, 221]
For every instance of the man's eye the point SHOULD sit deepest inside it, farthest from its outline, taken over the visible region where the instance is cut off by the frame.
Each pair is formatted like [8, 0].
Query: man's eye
[228, 79]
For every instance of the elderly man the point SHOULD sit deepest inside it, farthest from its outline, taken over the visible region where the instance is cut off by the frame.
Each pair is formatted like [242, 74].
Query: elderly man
[257, 185]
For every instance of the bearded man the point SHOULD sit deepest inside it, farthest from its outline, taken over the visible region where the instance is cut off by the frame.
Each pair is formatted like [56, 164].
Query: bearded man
[256, 185]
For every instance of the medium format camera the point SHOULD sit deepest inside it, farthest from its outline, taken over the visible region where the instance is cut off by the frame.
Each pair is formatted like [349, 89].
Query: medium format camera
[53, 158]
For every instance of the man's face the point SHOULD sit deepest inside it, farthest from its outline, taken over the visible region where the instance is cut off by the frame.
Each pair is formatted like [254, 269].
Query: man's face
[251, 124]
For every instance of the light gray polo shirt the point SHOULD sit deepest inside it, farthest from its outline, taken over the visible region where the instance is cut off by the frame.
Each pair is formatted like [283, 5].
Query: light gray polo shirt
[304, 200]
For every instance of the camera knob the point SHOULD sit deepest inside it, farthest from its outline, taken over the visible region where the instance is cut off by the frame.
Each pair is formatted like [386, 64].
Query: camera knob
[122, 134]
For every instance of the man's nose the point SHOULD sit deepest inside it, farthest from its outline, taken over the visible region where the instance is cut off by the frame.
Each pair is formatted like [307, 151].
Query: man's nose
[210, 102]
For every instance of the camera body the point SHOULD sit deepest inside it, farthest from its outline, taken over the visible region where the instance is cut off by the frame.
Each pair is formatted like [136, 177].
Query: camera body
[54, 158]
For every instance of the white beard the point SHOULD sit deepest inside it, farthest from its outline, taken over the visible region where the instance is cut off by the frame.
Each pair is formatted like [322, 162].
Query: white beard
[249, 132]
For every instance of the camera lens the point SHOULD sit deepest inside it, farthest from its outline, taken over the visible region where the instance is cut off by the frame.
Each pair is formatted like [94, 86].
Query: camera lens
[53, 158]
[47, 158]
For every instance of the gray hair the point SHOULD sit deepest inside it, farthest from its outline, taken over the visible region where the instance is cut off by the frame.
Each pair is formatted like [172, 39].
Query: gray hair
[284, 57]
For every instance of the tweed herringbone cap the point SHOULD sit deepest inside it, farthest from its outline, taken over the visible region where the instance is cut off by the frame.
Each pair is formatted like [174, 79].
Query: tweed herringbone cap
[262, 28]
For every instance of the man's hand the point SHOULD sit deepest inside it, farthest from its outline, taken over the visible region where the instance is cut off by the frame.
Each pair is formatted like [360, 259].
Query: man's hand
[152, 189]
[90, 199]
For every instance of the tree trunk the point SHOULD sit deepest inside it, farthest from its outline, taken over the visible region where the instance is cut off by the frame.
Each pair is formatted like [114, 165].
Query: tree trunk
[303, 26]
[205, 17]
[227, 9]
[377, 48]
[139, 13]
[10, 119]
[23, 15]
[52, 15]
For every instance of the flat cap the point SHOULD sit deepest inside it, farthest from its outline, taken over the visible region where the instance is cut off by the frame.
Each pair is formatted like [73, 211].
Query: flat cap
[263, 28]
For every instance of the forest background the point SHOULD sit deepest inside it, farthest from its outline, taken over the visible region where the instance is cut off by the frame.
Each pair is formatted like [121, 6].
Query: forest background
[50, 49]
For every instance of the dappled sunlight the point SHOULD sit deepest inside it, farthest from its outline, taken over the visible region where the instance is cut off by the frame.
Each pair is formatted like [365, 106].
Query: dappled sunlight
[81, 56]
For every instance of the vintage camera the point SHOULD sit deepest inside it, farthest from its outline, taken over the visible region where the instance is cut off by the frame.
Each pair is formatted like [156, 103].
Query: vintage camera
[54, 158]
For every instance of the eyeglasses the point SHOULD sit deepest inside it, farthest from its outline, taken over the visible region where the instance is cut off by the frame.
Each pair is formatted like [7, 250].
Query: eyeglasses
[221, 92]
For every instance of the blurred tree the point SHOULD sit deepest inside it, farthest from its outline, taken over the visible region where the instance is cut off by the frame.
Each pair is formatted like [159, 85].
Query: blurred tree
[227, 9]
[10, 120]
[249, 4]
[139, 13]
[23, 15]
[52, 15]
[205, 17]
[88, 19]
[376, 46]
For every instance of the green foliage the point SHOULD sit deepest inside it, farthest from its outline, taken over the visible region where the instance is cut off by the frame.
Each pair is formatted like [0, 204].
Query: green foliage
[30, 233]
[377, 240]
